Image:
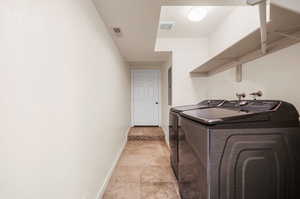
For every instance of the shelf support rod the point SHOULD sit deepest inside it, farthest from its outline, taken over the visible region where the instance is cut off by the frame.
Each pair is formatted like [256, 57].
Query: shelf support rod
[239, 72]
[263, 26]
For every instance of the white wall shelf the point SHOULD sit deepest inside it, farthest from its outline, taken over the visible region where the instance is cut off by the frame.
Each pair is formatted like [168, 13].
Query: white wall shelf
[283, 30]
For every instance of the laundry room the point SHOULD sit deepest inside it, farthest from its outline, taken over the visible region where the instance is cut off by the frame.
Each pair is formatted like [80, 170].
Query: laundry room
[149, 99]
[241, 68]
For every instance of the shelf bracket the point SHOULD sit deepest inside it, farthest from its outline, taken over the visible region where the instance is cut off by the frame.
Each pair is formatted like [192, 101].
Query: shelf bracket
[263, 26]
[239, 72]
[262, 4]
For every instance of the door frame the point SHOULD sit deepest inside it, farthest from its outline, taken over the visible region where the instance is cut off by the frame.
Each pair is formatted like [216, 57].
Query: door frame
[159, 94]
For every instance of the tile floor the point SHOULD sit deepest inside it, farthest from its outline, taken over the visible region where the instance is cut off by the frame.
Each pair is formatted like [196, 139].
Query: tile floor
[146, 133]
[143, 171]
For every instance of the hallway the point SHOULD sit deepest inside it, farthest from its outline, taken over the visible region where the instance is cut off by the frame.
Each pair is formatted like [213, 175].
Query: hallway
[143, 171]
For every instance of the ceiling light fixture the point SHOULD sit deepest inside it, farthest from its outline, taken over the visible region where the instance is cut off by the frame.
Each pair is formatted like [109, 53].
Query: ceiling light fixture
[197, 14]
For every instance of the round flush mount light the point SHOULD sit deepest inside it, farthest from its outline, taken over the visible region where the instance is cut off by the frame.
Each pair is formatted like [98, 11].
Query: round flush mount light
[197, 14]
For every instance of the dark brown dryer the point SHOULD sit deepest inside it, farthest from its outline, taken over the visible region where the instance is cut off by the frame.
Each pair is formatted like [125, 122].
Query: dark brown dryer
[241, 151]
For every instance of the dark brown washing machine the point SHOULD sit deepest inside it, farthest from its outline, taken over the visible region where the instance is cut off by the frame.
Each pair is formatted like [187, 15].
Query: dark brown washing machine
[174, 125]
[241, 150]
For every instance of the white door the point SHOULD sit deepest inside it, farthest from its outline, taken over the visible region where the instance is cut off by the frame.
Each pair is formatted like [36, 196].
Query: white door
[145, 94]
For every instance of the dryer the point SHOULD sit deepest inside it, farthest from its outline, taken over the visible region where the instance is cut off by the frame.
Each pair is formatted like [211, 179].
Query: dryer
[241, 149]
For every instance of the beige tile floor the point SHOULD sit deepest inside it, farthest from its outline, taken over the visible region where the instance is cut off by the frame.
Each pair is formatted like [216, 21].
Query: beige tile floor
[143, 172]
[146, 133]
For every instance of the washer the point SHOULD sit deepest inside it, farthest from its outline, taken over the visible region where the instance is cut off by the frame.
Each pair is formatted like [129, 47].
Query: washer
[240, 150]
[174, 126]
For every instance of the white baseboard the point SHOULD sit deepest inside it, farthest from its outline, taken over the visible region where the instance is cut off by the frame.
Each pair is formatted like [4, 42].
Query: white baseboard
[166, 131]
[108, 176]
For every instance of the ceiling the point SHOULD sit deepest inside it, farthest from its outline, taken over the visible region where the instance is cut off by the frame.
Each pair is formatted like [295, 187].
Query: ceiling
[138, 20]
[186, 28]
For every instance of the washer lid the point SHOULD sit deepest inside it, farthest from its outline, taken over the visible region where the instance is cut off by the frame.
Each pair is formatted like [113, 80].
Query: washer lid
[216, 115]
[278, 112]
[201, 105]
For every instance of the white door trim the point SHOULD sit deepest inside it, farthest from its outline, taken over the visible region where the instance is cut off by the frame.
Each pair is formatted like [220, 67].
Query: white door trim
[159, 94]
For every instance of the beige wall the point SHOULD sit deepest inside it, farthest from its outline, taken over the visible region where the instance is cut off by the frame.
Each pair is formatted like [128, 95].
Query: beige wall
[65, 100]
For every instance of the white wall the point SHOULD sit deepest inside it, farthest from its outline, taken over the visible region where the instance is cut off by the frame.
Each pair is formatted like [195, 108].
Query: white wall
[232, 29]
[165, 101]
[64, 101]
[187, 53]
[277, 75]
[289, 4]
[185, 57]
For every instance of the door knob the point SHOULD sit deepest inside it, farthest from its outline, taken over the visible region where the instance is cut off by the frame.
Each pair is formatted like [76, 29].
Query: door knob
[156, 102]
